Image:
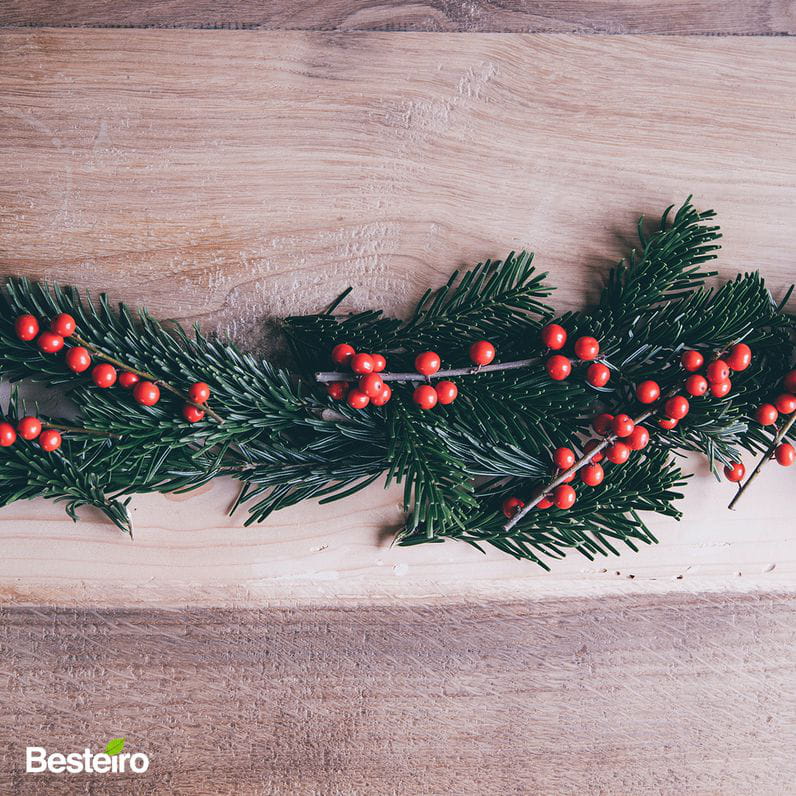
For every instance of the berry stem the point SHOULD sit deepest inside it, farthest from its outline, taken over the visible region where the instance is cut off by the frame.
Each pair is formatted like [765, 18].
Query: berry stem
[81, 430]
[326, 377]
[562, 476]
[778, 437]
[148, 376]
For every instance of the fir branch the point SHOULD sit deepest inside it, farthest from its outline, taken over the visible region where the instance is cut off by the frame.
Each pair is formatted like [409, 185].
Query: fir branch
[287, 441]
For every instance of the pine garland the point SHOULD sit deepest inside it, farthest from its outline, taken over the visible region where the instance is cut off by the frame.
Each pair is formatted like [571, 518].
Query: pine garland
[280, 434]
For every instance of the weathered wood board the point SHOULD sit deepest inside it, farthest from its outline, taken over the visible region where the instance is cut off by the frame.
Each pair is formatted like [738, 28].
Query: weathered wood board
[557, 16]
[691, 694]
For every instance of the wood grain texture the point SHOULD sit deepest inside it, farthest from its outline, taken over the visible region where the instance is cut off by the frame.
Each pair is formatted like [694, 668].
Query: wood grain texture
[559, 16]
[229, 177]
[637, 695]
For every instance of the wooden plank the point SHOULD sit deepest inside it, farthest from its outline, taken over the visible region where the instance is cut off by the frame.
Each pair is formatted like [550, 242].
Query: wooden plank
[558, 16]
[228, 177]
[689, 695]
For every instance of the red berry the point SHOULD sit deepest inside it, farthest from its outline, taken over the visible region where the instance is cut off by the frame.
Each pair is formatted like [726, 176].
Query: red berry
[648, 391]
[379, 363]
[592, 474]
[146, 393]
[734, 472]
[618, 453]
[696, 385]
[586, 348]
[193, 414]
[590, 446]
[104, 375]
[692, 360]
[336, 389]
[623, 425]
[785, 403]
[383, 397]
[558, 367]
[342, 353]
[78, 359]
[26, 327]
[29, 427]
[740, 356]
[720, 388]
[482, 352]
[667, 423]
[128, 380]
[766, 414]
[50, 440]
[8, 436]
[554, 336]
[564, 496]
[447, 392]
[563, 458]
[718, 371]
[199, 392]
[785, 454]
[49, 342]
[371, 385]
[361, 364]
[425, 396]
[511, 505]
[789, 381]
[598, 374]
[602, 424]
[638, 439]
[63, 324]
[427, 363]
[546, 501]
[357, 399]
[677, 407]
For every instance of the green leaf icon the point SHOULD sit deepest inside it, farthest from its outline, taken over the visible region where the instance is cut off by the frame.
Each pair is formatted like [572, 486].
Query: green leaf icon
[114, 746]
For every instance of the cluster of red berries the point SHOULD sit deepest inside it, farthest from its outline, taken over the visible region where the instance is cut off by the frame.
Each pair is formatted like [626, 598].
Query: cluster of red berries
[767, 415]
[104, 375]
[30, 428]
[586, 349]
[371, 388]
[716, 380]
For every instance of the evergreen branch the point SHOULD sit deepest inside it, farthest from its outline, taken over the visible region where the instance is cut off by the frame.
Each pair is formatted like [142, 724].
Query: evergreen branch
[286, 441]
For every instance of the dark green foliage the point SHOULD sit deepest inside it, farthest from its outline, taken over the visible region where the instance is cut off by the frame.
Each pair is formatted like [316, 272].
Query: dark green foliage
[599, 518]
[286, 441]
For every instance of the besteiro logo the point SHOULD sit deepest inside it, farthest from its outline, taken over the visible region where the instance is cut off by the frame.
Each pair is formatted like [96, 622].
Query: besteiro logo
[112, 761]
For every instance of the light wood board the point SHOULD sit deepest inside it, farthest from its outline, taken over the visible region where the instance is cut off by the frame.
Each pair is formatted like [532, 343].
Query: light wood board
[231, 177]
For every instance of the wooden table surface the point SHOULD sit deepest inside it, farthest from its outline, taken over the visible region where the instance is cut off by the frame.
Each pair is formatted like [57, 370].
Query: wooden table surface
[233, 176]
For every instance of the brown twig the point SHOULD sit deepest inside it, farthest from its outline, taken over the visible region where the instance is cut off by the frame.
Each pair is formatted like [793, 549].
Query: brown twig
[330, 376]
[778, 437]
[82, 430]
[148, 376]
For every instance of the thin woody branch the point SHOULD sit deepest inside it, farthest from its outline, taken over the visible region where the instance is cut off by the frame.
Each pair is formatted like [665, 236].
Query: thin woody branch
[562, 477]
[148, 376]
[780, 435]
[325, 377]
